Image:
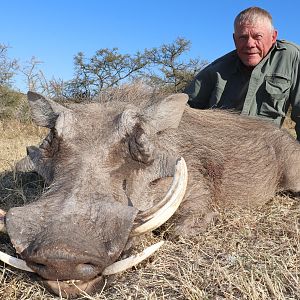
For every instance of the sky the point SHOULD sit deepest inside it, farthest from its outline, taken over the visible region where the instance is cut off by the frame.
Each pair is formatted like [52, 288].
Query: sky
[55, 31]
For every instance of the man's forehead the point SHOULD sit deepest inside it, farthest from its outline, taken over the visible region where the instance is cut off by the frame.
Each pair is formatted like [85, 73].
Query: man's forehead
[257, 26]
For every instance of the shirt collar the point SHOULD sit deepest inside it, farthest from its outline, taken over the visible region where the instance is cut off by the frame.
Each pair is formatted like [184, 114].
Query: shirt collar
[239, 66]
[279, 45]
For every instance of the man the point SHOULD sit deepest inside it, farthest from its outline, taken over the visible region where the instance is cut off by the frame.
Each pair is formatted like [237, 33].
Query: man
[260, 78]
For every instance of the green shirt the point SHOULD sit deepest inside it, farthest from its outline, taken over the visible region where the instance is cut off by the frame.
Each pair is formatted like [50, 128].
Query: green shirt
[267, 91]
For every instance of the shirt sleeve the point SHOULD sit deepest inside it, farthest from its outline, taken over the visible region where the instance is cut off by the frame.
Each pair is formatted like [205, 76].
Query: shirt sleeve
[295, 96]
[200, 89]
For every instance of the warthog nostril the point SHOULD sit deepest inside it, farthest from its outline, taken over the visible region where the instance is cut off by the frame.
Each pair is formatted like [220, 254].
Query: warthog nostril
[64, 270]
[58, 261]
[85, 269]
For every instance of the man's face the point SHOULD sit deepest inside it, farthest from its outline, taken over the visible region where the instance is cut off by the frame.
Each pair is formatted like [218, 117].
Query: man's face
[253, 41]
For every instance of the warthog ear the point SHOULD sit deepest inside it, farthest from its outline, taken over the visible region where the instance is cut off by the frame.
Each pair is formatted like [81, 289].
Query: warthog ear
[167, 113]
[25, 165]
[44, 112]
[40, 162]
[39, 159]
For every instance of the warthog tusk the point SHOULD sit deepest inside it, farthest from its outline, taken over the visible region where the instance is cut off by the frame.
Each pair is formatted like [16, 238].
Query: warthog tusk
[161, 212]
[14, 262]
[131, 261]
[114, 268]
[10, 260]
[2, 221]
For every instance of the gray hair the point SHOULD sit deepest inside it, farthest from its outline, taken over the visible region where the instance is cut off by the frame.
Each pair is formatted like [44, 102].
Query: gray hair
[252, 15]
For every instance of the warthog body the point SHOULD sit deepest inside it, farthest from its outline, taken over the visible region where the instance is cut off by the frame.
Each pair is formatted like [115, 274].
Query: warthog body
[105, 162]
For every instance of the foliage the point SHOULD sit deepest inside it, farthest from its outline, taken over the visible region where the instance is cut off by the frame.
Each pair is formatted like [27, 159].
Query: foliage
[13, 105]
[165, 67]
[161, 67]
[36, 81]
[8, 67]
[107, 68]
[168, 71]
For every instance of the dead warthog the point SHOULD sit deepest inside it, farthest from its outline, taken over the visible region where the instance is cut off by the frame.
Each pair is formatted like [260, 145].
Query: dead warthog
[107, 162]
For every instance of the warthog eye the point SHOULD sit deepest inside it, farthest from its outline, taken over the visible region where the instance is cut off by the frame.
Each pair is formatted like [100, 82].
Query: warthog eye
[124, 185]
[155, 182]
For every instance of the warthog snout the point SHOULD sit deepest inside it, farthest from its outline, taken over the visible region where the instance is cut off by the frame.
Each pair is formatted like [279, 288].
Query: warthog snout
[58, 261]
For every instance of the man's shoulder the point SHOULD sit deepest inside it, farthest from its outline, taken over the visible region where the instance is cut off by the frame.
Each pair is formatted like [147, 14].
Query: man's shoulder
[224, 62]
[288, 46]
[226, 59]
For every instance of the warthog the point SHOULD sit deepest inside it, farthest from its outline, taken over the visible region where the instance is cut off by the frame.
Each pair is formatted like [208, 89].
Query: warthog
[107, 162]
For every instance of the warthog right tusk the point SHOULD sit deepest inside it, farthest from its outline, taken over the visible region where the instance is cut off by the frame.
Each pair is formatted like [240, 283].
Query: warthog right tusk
[15, 262]
[158, 214]
[122, 265]
[10, 260]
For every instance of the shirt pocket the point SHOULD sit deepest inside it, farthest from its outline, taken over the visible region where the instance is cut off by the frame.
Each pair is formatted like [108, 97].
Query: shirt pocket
[277, 89]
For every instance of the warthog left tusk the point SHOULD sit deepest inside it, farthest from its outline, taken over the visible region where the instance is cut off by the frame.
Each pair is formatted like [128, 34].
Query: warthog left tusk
[14, 262]
[160, 213]
[131, 261]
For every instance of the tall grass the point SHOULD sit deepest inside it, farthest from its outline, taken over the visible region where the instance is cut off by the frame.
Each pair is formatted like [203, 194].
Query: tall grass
[14, 137]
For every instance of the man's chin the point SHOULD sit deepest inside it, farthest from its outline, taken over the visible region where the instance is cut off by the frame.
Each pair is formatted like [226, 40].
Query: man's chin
[251, 62]
[74, 288]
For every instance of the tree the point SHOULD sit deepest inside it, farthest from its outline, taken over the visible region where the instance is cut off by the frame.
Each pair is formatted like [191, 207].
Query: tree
[168, 70]
[163, 67]
[36, 80]
[107, 68]
[9, 100]
[8, 67]
[33, 75]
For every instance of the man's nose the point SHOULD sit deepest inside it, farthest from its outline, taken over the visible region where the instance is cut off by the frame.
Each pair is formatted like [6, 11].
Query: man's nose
[251, 42]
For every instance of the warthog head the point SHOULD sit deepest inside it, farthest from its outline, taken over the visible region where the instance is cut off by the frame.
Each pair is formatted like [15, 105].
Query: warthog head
[102, 162]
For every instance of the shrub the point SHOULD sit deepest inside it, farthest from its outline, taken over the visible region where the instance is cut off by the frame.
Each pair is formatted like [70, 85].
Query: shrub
[13, 105]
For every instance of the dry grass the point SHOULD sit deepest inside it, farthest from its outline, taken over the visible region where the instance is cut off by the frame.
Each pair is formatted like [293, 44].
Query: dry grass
[288, 124]
[14, 137]
[252, 254]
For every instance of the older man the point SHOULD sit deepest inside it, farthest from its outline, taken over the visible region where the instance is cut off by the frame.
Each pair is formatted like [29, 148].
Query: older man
[260, 78]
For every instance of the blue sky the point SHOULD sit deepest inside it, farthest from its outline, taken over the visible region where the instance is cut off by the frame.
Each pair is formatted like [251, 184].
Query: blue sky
[54, 31]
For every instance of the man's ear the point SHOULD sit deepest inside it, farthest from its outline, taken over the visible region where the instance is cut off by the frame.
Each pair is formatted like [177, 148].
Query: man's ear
[274, 36]
[233, 36]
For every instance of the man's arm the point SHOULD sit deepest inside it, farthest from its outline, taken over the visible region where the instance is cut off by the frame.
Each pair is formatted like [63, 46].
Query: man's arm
[295, 115]
[295, 96]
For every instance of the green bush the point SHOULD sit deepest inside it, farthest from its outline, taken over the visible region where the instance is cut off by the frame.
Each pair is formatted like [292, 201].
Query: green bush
[13, 105]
